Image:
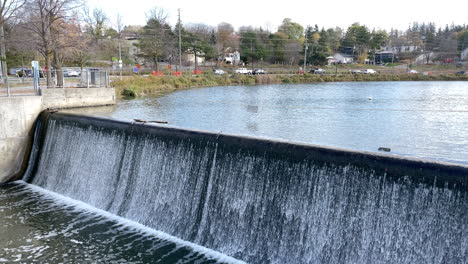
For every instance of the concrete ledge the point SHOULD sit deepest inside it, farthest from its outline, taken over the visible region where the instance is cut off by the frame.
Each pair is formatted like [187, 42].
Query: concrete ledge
[77, 97]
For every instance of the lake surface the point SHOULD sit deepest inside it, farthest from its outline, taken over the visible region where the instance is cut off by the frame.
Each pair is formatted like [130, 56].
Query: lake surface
[419, 119]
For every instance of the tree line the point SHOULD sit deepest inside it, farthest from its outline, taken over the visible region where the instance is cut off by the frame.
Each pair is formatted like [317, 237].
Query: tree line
[66, 32]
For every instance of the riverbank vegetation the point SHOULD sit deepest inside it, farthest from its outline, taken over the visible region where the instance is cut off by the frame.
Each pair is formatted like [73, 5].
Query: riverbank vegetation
[66, 33]
[138, 86]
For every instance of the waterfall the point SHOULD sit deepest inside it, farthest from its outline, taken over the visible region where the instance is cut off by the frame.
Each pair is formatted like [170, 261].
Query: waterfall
[258, 200]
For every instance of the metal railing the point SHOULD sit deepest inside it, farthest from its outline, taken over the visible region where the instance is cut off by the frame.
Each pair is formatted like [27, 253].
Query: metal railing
[23, 83]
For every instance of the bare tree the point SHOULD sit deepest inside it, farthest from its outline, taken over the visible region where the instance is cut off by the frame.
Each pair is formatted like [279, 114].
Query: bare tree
[157, 14]
[95, 23]
[120, 27]
[224, 36]
[69, 41]
[8, 10]
[45, 20]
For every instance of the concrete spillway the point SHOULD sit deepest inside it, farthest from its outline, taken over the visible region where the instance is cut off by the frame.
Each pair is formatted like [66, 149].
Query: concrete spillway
[258, 200]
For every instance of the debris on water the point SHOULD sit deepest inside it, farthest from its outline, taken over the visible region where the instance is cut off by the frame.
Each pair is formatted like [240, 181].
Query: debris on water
[140, 120]
[159, 122]
[385, 149]
[370, 98]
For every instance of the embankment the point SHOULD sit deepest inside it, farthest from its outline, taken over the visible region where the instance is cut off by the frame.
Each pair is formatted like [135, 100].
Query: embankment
[261, 201]
[156, 85]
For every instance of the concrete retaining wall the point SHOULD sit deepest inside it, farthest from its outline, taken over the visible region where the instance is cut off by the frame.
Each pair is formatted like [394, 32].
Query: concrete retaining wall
[77, 97]
[17, 116]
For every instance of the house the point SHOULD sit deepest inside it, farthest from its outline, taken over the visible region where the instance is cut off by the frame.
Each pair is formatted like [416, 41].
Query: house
[131, 32]
[231, 56]
[331, 60]
[464, 54]
[189, 57]
[402, 49]
[385, 57]
[343, 59]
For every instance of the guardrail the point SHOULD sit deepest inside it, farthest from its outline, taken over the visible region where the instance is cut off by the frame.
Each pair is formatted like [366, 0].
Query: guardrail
[23, 83]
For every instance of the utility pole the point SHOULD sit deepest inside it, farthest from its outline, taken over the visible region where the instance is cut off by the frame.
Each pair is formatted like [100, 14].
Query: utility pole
[120, 59]
[251, 49]
[180, 44]
[119, 28]
[305, 54]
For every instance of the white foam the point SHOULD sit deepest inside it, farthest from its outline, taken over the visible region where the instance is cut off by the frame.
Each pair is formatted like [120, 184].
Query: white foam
[63, 200]
[76, 241]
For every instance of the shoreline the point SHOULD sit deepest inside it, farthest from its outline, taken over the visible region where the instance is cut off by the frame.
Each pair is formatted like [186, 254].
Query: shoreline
[141, 86]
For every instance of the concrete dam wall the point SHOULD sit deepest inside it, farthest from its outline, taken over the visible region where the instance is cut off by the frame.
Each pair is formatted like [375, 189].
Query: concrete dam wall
[17, 115]
[260, 201]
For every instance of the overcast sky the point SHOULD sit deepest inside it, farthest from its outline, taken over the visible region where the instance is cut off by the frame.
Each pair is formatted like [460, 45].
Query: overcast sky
[375, 14]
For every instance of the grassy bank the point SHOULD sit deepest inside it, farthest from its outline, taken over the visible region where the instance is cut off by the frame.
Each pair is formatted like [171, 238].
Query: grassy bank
[155, 86]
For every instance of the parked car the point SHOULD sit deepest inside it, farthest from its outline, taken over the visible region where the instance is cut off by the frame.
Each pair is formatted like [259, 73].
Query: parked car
[413, 72]
[71, 73]
[259, 72]
[218, 72]
[370, 71]
[357, 72]
[243, 71]
[24, 73]
[29, 73]
[461, 73]
[317, 71]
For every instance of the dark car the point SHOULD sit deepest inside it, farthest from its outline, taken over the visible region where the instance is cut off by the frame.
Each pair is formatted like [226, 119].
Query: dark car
[460, 73]
[29, 73]
[317, 71]
[259, 72]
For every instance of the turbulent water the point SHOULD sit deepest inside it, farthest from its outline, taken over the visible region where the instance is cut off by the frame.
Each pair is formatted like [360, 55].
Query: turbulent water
[39, 226]
[257, 201]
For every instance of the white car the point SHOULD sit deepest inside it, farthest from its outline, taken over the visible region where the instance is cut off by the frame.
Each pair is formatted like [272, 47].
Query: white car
[412, 72]
[317, 71]
[72, 73]
[218, 72]
[370, 71]
[243, 71]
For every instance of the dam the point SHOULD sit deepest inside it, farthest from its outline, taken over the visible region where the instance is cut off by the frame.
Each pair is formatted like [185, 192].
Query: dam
[256, 200]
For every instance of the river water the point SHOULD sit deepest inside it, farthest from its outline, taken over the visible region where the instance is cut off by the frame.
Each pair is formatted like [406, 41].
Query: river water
[418, 119]
[39, 226]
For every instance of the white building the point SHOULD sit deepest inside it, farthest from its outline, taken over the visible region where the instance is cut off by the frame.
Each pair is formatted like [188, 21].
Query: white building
[190, 58]
[464, 54]
[343, 59]
[232, 57]
[402, 49]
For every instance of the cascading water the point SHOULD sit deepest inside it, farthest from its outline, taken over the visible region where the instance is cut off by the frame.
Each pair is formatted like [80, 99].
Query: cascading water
[257, 200]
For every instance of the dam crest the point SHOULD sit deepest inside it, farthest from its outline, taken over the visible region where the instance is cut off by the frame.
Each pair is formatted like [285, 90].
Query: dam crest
[257, 200]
